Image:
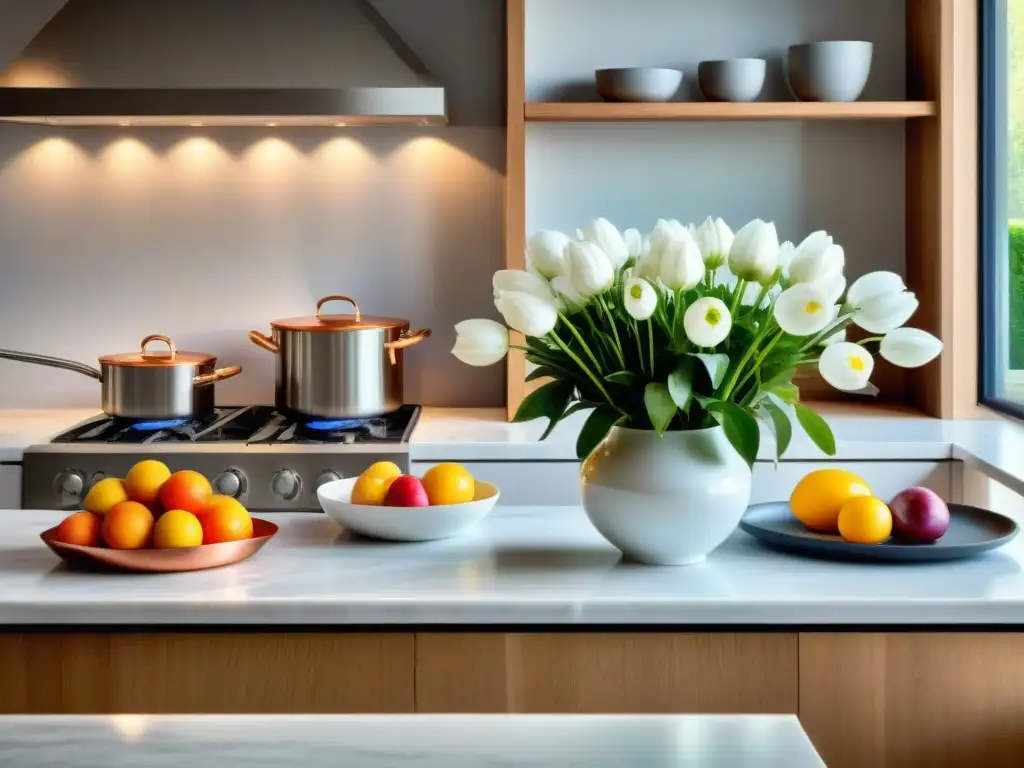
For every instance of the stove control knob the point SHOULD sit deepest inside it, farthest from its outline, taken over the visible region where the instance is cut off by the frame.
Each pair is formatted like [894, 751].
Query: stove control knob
[230, 482]
[286, 484]
[327, 476]
[70, 482]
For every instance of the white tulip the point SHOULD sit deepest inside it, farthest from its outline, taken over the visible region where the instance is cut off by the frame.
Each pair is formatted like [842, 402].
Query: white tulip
[755, 252]
[526, 313]
[707, 322]
[605, 236]
[546, 252]
[882, 314]
[803, 309]
[714, 238]
[480, 342]
[817, 260]
[639, 298]
[872, 285]
[834, 288]
[634, 242]
[909, 347]
[588, 268]
[517, 280]
[665, 232]
[846, 366]
[680, 266]
[566, 296]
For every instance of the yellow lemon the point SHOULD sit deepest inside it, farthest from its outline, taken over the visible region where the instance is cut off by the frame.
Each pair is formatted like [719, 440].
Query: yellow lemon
[448, 484]
[144, 480]
[176, 529]
[383, 470]
[865, 520]
[105, 495]
[817, 498]
[370, 490]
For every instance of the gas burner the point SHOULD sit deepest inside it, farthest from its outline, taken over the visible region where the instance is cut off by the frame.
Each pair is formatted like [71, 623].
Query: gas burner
[335, 425]
[156, 426]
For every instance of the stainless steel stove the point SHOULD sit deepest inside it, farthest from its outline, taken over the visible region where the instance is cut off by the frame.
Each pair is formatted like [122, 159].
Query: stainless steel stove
[267, 460]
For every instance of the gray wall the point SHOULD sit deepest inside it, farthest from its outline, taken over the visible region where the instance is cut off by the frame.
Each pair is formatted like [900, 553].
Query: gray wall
[846, 177]
[107, 235]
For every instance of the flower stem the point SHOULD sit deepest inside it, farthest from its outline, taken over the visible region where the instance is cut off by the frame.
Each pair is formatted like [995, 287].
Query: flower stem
[837, 326]
[579, 338]
[639, 346]
[751, 350]
[869, 339]
[709, 278]
[650, 342]
[583, 367]
[761, 357]
[760, 297]
[737, 297]
[615, 331]
[604, 348]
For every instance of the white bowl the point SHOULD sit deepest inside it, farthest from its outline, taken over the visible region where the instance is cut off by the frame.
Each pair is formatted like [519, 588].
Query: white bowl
[404, 523]
[644, 84]
[835, 70]
[735, 80]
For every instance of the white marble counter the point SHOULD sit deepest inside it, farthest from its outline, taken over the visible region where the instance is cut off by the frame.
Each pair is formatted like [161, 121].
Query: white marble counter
[394, 741]
[521, 566]
[20, 429]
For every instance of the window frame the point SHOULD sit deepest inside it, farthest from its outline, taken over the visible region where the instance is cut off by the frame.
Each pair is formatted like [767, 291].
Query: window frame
[993, 249]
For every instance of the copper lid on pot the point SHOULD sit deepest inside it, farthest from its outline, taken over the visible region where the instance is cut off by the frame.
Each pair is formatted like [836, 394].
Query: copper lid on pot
[323, 322]
[146, 359]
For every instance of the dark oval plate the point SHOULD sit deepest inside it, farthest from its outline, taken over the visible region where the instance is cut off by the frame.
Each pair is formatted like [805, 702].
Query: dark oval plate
[972, 530]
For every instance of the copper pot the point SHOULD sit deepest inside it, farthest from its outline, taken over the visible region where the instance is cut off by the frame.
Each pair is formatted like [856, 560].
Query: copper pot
[148, 385]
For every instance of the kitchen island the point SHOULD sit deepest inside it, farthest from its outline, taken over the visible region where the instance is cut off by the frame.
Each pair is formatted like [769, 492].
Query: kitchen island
[532, 612]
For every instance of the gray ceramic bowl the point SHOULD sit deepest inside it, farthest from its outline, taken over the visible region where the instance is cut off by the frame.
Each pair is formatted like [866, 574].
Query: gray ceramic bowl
[731, 79]
[831, 71]
[638, 84]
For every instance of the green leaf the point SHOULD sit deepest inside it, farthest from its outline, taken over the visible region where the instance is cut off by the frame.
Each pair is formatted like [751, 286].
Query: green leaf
[680, 384]
[660, 407]
[817, 429]
[549, 401]
[543, 372]
[778, 422]
[780, 379]
[787, 393]
[740, 427]
[625, 378]
[582, 405]
[595, 428]
[716, 366]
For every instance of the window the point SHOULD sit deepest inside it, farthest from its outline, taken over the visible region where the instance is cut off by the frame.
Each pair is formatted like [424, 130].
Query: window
[1002, 205]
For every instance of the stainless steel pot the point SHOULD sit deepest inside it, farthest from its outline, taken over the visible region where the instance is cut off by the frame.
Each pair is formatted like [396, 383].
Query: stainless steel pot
[339, 366]
[146, 385]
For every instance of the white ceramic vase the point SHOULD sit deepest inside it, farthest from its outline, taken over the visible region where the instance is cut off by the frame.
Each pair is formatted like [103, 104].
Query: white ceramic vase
[665, 500]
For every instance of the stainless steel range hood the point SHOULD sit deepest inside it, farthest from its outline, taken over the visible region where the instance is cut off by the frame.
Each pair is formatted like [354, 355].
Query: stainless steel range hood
[418, 99]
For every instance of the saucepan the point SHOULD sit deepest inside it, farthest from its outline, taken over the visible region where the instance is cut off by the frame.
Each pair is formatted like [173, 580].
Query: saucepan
[148, 385]
[339, 366]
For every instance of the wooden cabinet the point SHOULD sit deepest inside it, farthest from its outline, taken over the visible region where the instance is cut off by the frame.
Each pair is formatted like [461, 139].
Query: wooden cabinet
[10, 486]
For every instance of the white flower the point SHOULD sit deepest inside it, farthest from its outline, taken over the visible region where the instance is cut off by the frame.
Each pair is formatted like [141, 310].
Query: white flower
[665, 232]
[545, 251]
[880, 302]
[786, 253]
[846, 366]
[707, 322]
[639, 298]
[517, 280]
[566, 296]
[605, 236]
[803, 309]
[817, 260]
[755, 252]
[588, 268]
[680, 265]
[634, 242]
[909, 347]
[714, 238]
[834, 288]
[480, 342]
[526, 313]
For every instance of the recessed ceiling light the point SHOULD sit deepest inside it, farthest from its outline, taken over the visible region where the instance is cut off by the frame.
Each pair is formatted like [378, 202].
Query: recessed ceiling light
[271, 125]
[124, 124]
[340, 125]
[195, 124]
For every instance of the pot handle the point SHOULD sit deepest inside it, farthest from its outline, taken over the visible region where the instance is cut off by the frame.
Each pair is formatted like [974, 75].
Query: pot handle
[205, 379]
[53, 362]
[158, 337]
[407, 339]
[260, 340]
[325, 299]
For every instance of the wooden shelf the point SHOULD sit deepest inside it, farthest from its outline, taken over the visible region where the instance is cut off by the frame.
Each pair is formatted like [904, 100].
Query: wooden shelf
[601, 112]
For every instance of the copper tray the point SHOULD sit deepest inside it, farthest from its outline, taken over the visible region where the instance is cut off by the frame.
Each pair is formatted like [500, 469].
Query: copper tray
[162, 560]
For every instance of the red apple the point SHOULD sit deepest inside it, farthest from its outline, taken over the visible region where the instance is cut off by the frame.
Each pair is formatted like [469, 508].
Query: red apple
[406, 491]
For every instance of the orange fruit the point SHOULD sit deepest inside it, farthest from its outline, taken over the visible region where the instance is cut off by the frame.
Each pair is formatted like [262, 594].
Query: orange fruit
[865, 520]
[382, 469]
[144, 480]
[129, 525]
[817, 498]
[82, 528]
[105, 495]
[176, 529]
[225, 519]
[448, 484]
[186, 490]
[371, 490]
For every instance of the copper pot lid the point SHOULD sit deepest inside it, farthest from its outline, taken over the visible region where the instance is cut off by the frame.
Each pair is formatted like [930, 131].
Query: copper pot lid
[144, 358]
[324, 322]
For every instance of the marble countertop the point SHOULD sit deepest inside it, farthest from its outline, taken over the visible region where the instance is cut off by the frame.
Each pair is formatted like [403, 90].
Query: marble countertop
[394, 741]
[531, 566]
